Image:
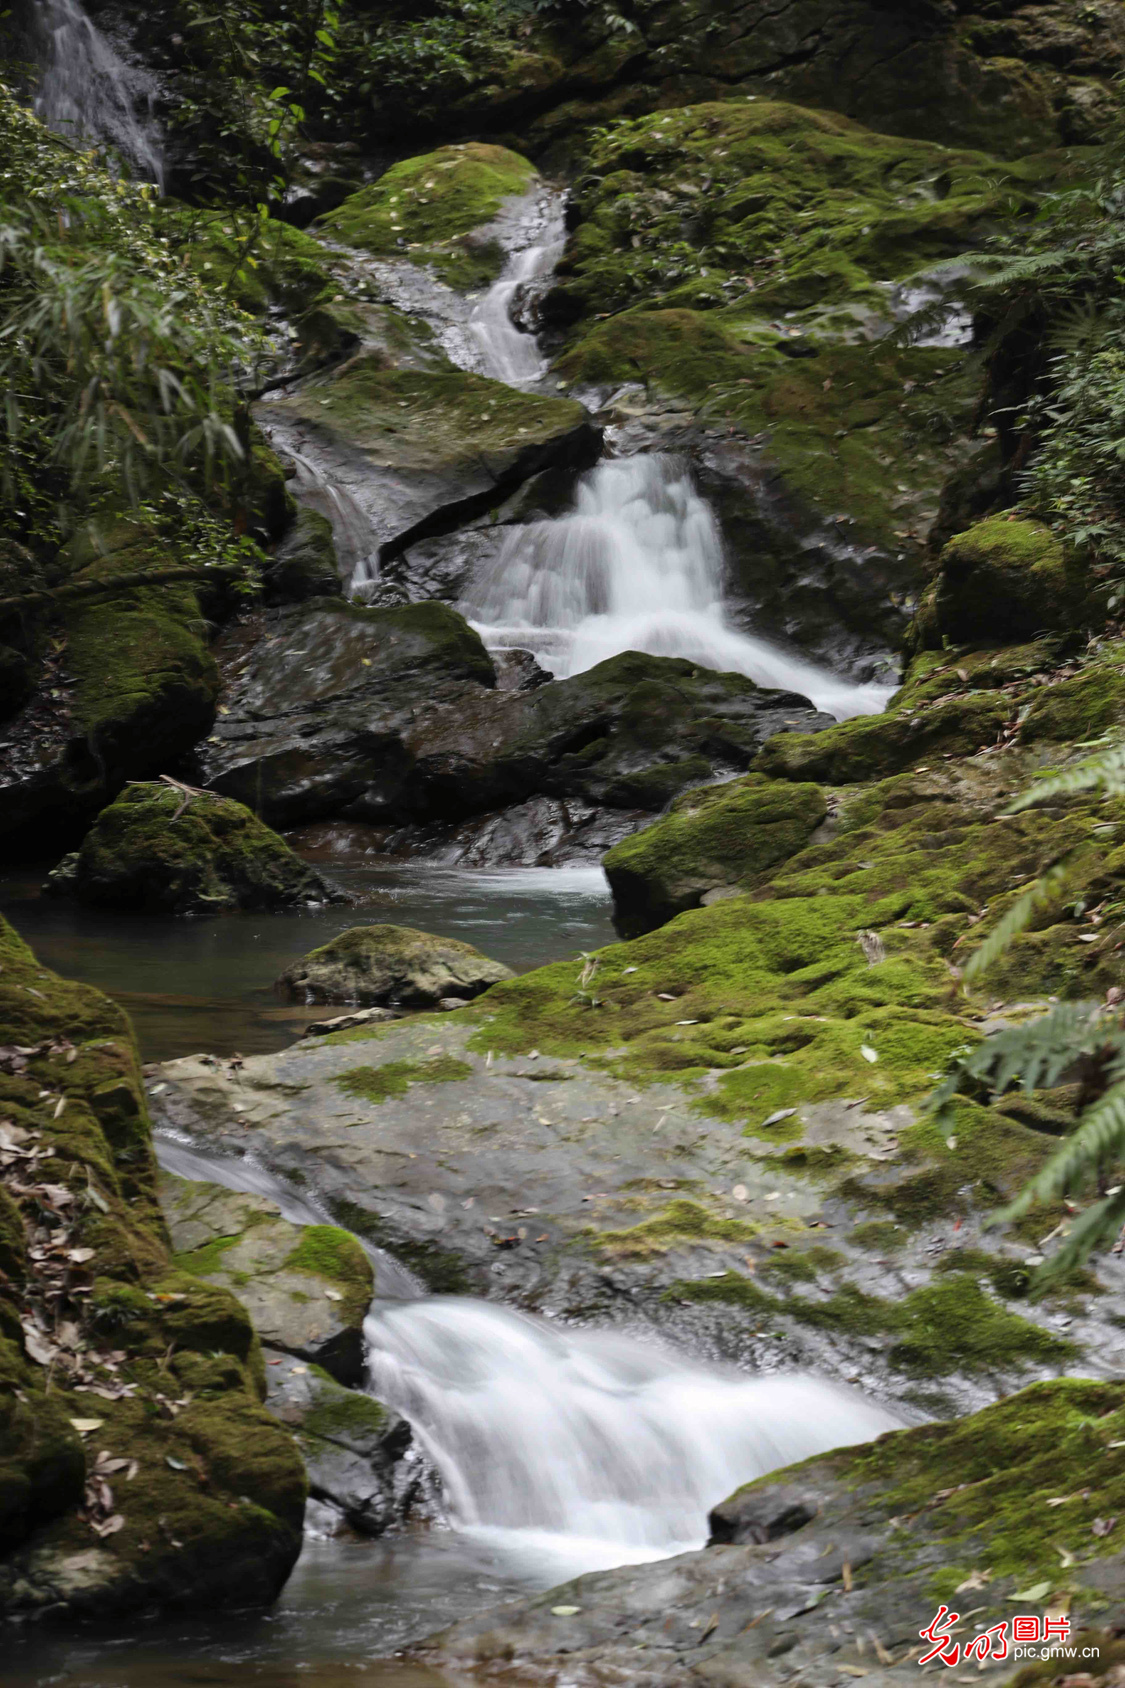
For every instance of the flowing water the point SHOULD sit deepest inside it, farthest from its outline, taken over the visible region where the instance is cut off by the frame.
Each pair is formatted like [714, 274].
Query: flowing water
[638, 566]
[579, 1450]
[507, 351]
[90, 94]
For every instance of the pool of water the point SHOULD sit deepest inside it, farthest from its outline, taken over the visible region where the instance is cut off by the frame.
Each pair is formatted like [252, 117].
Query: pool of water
[194, 985]
[347, 1607]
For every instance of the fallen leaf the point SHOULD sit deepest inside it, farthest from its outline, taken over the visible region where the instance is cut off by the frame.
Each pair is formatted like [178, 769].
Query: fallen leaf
[565, 1611]
[846, 1577]
[776, 1119]
[740, 1193]
[1066, 1556]
[334, 1295]
[868, 1054]
[975, 1579]
[84, 1426]
[110, 1527]
[1103, 1526]
[1038, 1591]
[853, 1670]
[174, 1463]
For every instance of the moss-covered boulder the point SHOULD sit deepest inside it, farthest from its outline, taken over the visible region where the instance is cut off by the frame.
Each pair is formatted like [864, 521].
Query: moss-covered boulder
[427, 207]
[306, 1288]
[305, 564]
[1005, 581]
[137, 1465]
[391, 964]
[715, 838]
[131, 690]
[176, 850]
[871, 747]
[363, 1464]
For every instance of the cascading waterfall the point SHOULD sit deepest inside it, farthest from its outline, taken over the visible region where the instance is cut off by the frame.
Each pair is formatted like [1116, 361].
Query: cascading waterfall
[88, 92]
[587, 1449]
[637, 566]
[508, 353]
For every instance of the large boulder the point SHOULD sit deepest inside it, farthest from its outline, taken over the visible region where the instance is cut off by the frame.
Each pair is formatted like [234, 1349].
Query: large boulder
[394, 716]
[431, 204]
[714, 839]
[176, 850]
[368, 965]
[304, 564]
[307, 1288]
[137, 1465]
[1002, 582]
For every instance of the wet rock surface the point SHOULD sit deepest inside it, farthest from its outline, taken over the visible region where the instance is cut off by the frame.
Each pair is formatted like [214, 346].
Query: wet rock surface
[392, 716]
[363, 1463]
[396, 965]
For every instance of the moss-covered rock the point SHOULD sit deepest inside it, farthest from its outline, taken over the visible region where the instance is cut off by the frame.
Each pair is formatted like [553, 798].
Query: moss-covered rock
[870, 747]
[169, 848]
[427, 207]
[307, 1289]
[139, 690]
[361, 1458]
[714, 838]
[1004, 581]
[305, 564]
[391, 964]
[213, 1512]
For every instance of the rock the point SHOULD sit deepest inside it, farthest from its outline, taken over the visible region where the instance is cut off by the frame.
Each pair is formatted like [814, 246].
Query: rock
[432, 204]
[833, 1584]
[761, 1514]
[132, 690]
[304, 564]
[1002, 582]
[361, 1458]
[348, 1022]
[391, 964]
[715, 837]
[871, 747]
[166, 848]
[424, 450]
[306, 1288]
[393, 717]
[213, 1514]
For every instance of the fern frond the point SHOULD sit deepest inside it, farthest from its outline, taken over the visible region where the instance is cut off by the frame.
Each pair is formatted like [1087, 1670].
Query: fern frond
[1100, 1137]
[1018, 917]
[1106, 768]
[1035, 1054]
[1097, 1226]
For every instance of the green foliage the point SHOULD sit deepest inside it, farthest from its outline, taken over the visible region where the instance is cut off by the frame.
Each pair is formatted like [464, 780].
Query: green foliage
[257, 69]
[120, 368]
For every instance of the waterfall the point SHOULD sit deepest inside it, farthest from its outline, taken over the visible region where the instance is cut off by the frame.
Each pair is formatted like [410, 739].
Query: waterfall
[357, 545]
[637, 566]
[508, 352]
[88, 92]
[588, 1449]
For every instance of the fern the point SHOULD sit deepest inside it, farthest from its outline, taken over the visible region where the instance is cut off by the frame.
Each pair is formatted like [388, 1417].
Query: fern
[1019, 917]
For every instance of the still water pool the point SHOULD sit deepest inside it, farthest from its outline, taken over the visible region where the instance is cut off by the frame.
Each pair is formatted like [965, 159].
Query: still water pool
[194, 985]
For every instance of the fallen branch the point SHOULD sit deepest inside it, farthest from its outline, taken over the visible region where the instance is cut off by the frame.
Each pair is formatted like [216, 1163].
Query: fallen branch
[119, 583]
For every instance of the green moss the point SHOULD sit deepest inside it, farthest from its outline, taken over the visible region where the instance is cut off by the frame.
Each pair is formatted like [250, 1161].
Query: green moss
[881, 1236]
[873, 747]
[328, 1252]
[417, 419]
[714, 836]
[257, 262]
[1003, 581]
[346, 1413]
[681, 1221]
[941, 1328]
[159, 848]
[1080, 708]
[983, 1484]
[427, 206]
[204, 1262]
[380, 1084]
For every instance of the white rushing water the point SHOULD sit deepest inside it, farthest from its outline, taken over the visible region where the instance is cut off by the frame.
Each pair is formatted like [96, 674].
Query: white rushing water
[508, 352]
[587, 1449]
[637, 566]
[89, 94]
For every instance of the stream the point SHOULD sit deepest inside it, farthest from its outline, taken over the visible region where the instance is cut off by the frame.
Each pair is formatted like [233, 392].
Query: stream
[560, 1450]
